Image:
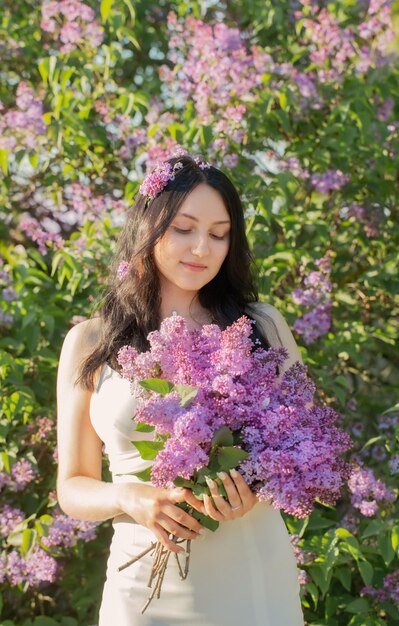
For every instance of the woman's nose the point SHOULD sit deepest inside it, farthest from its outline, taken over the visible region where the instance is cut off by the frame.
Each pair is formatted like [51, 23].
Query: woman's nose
[200, 246]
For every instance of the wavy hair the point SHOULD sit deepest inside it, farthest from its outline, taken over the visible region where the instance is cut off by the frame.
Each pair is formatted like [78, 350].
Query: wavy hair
[130, 308]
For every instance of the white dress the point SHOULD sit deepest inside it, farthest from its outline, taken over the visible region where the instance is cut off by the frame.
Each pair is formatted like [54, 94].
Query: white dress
[243, 574]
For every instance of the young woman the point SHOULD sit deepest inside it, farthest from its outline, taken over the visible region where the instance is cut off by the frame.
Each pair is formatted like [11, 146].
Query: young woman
[183, 249]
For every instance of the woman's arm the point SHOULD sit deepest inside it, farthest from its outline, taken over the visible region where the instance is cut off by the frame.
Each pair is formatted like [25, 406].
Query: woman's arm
[81, 492]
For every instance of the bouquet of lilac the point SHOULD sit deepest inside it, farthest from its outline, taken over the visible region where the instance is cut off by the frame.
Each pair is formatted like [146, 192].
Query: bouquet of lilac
[214, 401]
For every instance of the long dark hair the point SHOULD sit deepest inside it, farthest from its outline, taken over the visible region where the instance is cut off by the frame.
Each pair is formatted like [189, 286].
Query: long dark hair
[130, 308]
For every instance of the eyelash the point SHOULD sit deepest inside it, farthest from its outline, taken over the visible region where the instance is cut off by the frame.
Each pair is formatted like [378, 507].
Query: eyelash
[185, 232]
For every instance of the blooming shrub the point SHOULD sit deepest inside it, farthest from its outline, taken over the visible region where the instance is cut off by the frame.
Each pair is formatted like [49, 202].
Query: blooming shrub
[298, 102]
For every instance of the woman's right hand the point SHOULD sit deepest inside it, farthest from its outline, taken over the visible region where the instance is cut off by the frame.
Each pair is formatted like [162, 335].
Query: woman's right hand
[156, 509]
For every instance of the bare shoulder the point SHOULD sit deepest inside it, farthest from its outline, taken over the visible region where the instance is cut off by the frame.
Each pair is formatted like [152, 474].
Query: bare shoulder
[274, 326]
[79, 342]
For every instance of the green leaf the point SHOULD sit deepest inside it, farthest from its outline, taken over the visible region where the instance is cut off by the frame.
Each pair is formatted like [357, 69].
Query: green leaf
[374, 528]
[395, 538]
[199, 490]
[183, 482]
[229, 457]
[144, 475]
[4, 160]
[148, 449]
[385, 544]
[206, 521]
[344, 576]
[366, 571]
[105, 9]
[141, 427]
[186, 393]
[163, 387]
[28, 540]
[223, 436]
[360, 605]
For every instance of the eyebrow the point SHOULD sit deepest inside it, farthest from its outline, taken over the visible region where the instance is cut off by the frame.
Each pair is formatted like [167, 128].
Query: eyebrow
[191, 217]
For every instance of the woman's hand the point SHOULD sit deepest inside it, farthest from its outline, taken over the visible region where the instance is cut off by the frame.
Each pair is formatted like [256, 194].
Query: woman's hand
[240, 498]
[156, 509]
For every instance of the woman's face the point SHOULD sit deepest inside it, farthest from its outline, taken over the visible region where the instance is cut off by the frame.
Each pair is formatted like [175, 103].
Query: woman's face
[193, 248]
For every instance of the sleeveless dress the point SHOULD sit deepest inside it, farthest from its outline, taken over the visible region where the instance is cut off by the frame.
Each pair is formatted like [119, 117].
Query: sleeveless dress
[244, 573]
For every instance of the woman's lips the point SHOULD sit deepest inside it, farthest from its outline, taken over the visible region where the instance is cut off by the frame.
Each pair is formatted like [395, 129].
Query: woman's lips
[194, 268]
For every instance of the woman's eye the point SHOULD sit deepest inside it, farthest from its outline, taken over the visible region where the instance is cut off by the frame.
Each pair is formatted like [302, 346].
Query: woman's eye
[184, 231]
[219, 238]
[180, 230]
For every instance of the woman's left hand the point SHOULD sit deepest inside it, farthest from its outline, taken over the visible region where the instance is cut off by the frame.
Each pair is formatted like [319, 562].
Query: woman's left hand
[240, 498]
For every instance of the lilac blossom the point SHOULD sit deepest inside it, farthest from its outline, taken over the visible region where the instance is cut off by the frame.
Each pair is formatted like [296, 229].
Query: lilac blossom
[9, 294]
[388, 592]
[10, 517]
[317, 294]
[123, 270]
[367, 491]
[22, 473]
[36, 568]
[65, 531]
[331, 180]
[40, 429]
[293, 446]
[73, 23]
[23, 127]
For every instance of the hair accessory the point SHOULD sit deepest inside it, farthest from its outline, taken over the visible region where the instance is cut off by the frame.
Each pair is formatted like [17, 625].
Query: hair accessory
[155, 182]
[123, 270]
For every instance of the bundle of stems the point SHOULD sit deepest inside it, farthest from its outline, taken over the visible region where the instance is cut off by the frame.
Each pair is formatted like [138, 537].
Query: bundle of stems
[161, 556]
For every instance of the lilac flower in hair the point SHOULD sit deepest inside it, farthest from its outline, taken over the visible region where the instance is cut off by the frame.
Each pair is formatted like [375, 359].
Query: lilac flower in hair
[155, 182]
[123, 270]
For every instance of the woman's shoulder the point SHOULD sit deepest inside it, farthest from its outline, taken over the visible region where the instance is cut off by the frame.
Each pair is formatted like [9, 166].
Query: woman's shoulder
[274, 327]
[81, 339]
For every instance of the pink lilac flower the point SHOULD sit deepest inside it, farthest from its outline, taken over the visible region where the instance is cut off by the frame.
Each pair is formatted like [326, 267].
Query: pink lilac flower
[388, 592]
[36, 568]
[40, 429]
[9, 294]
[22, 473]
[331, 180]
[23, 127]
[65, 531]
[293, 449]
[123, 270]
[10, 517]
[74, 24]
[367, 491]
[317, 294]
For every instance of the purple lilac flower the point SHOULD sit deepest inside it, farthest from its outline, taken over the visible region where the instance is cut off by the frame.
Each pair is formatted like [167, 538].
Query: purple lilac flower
[9, 294]
[36, 568]
[388, 592]
[22, 473]
[394, 464]
[40, 429]
[23, 127]
[123, 270]
[294, 450]
[74, 26]
[317, 294]
[367, 491]
[155, 182]
[10, 517]
[65, 531]
[331, 180]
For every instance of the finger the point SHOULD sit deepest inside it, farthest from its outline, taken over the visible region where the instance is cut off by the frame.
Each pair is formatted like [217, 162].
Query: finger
[246, 495]
[163, 537]
[210, 509]
[194, 502]
[182, 518]
[219, 502]
[231, 490]
[172, 527]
